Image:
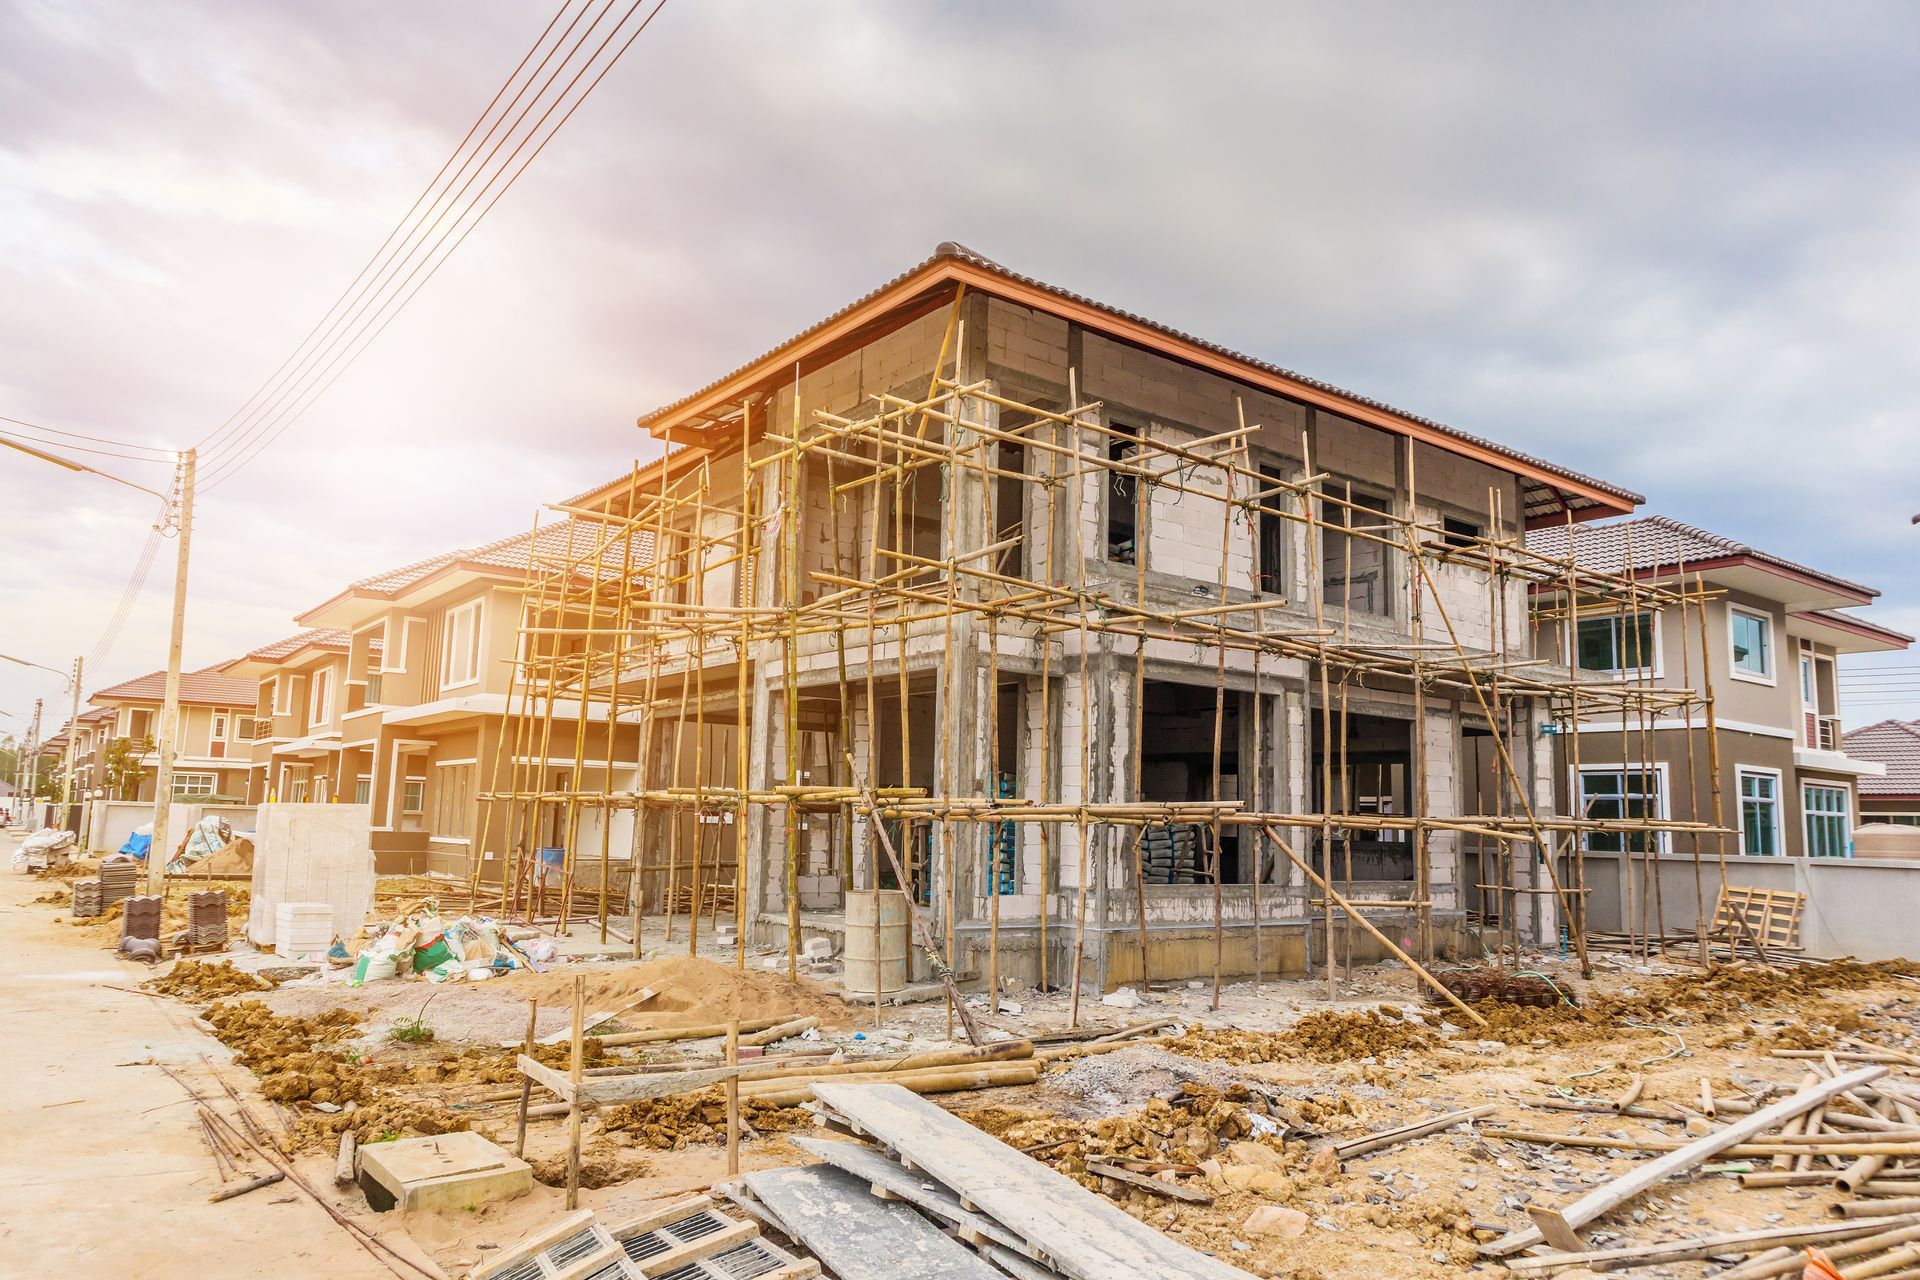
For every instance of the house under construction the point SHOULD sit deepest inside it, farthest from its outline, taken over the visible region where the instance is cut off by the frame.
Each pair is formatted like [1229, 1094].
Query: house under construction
[1125, 656]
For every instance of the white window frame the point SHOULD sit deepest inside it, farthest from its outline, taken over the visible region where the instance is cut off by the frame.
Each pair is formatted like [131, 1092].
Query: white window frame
[477, 608]
[413, 796]
[1779, 816]
[253, 727]
[1655, 670]
[364, 782]
[1663, 842]
[1846, 817]
[1772, 650]
[283, 694]
[221, 723]
[320, 698]
[210, 780]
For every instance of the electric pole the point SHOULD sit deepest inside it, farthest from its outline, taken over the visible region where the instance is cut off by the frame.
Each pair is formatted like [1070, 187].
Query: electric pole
[73, 731]
[158, 851]
[33, 759]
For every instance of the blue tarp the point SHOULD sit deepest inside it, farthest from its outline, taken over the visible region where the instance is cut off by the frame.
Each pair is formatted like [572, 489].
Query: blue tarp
[137, 846]
[553, 857]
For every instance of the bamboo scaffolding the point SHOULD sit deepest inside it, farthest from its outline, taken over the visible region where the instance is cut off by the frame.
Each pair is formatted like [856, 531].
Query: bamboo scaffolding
[629, 625]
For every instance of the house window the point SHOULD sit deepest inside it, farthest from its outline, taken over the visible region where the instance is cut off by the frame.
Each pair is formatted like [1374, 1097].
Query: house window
[1353, 569]
[320, 699]
[245, 728]
[413, 796]
[363, 790]
[297, 790]
[1616, 794]
[1827, 826]
[1123, 500]
[194, 786]
[219, 733]
[1895, 819]
[283, 695]
[1759, 814]
[1456, 532]
[1752, 645]
[451, 803]
[460, 654]
[1616, 644]
[1271, 544]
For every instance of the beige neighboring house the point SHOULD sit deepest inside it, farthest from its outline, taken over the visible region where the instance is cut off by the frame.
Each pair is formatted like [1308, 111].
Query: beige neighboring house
[90, 733]
[212, 752]
[1894, 796]
[1790, 782]
[395, 698]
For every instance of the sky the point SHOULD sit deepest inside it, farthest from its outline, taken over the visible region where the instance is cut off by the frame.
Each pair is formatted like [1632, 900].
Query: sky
[1670, 246]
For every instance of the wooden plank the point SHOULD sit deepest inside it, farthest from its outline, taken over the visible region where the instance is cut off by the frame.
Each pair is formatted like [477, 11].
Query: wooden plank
[856, 1236]
[1086, 1236]
[533, 1244]
[606, 1090]
[1171, 1190]
[1550, 1223]
[897, 1180]
[547, 1078]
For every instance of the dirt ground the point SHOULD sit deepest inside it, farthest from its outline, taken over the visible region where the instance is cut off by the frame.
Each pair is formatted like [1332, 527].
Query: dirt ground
[1244, 1098]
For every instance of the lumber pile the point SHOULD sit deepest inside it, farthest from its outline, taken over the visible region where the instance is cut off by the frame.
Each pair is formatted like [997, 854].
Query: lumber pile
[1854, 1130]
[929, 1197]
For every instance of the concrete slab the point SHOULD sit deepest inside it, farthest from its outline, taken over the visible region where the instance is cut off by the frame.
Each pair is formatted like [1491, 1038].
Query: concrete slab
[453, 1172]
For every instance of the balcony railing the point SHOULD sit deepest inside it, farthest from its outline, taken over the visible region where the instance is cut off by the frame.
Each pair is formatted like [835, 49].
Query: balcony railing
[1829, 736]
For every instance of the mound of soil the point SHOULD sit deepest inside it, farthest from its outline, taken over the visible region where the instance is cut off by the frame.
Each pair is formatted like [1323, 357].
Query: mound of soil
[381, 1120]
[692, 991]
[601, 1165]
[687, 1119]
[1326, 1035]
[194, 980]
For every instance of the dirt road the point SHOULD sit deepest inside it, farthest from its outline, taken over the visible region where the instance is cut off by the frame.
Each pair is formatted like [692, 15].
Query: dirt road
[104, 1172]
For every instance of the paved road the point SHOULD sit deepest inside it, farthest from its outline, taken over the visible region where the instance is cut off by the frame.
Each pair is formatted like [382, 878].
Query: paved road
[102, 1169]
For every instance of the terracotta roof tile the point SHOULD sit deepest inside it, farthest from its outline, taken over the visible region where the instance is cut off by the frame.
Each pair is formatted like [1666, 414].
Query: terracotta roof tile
[1658, 542]
[562, 538]
[1895, 744]
[959, 252]
[206, 687]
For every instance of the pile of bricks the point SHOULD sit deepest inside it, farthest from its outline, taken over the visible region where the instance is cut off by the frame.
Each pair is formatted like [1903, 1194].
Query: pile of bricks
[119, 878]
[87, 900]
[207, 920]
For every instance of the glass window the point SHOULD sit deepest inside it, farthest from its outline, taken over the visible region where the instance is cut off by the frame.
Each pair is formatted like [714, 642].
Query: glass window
[193, 786]
[1616, 794]
[413, 795]
[1615, 644]
[363, 791]
[1752, 643]
[460, 659]
[1827, 826]
[1759, 814]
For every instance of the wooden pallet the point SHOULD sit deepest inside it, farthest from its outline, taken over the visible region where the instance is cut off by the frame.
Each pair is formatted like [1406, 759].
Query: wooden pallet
[687, 1239]
[1773, 915]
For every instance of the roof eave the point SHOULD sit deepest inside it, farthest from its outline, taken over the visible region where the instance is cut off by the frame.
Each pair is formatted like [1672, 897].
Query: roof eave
[932, 279]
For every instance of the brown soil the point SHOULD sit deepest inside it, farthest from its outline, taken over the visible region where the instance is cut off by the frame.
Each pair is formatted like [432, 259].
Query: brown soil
[692, 991]
[193, 980]
[377, 1121]
[601, 1165]
[668, 1124]
[1326, 1035]
[287, 1054]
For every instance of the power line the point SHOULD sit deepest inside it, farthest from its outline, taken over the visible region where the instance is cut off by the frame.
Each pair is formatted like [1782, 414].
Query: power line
[142, 565]
[371, 317]
[163, 454]
[383, 311]
[206, 444]
[67, 446]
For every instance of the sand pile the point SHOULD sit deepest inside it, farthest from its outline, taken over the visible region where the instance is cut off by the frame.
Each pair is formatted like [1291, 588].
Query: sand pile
[193, 980]
[692, 991]
[601, 1165]
[685, 1119]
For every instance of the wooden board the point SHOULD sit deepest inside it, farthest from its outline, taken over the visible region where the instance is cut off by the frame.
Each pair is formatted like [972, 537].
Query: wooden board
[873, 1167]
[1772, 914]
[1084, 1235]
[859, 1237]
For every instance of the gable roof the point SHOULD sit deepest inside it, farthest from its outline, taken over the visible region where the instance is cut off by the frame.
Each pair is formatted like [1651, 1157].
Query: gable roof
[1895, 744]
[207, 687]
[1647, 544]
[330, 639]
[505, 557]
[1552, 491]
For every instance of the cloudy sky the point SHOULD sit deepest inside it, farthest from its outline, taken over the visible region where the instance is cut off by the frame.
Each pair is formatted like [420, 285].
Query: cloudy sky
[1672, 246]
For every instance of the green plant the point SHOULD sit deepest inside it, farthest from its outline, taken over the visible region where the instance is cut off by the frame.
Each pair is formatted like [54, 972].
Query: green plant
[122, 769]
[411, 1031]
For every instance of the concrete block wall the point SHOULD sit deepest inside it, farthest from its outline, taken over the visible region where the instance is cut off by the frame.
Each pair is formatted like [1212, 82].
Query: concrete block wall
[312, 853]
